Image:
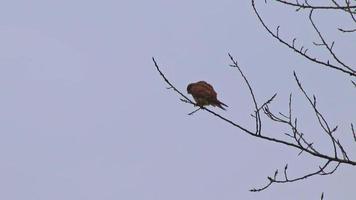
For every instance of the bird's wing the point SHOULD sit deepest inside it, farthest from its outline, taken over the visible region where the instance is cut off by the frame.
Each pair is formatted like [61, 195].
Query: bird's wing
[201, 91]
[208, 87]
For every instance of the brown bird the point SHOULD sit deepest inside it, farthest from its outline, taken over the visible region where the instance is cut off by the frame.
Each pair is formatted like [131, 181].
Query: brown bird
[204, 94]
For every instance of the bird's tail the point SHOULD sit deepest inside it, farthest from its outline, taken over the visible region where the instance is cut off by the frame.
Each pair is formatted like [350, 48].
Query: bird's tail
[221, 104]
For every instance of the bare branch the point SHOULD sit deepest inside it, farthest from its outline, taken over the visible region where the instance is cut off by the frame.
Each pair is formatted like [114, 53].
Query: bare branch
[322, 122]
[306, 5]
[273, 140]
[353, 131]
[347, 30]
[320, 172]
[329, 48]
[295, 137]
[353, 83]
[257, 113]
[292, 46]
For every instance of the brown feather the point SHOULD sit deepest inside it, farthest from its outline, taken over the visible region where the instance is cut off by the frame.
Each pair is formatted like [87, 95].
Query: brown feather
[204, 94]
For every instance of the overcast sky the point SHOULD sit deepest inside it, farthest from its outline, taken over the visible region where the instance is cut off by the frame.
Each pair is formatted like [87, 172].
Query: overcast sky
[85, 116]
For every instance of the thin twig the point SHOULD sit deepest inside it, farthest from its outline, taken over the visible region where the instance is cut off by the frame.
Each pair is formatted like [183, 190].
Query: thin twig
[329, 48]
[291, 46]
[251, 133]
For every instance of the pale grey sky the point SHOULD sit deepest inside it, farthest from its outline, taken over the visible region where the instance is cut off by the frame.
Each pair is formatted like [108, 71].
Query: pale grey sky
[85, 116]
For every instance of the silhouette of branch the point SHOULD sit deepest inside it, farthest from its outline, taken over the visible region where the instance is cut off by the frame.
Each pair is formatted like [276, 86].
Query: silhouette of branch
[347, 8]
[257, 113]
[347, 30]
[298, 140]
[302, 51]
[296, 135]
[322, 122]
[340, 66]
[353, 131]
[329, 48]
[295, 138]
[285, 179]
[306, 5]
[301, 141]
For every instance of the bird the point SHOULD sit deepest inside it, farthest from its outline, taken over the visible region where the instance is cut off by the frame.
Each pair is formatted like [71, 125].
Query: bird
[204, 94]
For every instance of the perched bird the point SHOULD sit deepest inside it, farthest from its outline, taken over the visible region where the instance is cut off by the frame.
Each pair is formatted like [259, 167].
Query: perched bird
[204, 94]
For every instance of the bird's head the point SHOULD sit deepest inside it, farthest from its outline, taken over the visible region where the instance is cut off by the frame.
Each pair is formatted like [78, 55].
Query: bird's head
[189, 88]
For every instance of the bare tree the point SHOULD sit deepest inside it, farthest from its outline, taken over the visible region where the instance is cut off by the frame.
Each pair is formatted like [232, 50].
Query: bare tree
[296, 138]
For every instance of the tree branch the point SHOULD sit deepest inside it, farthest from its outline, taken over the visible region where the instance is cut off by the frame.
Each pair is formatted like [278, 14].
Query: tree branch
[300, 51]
